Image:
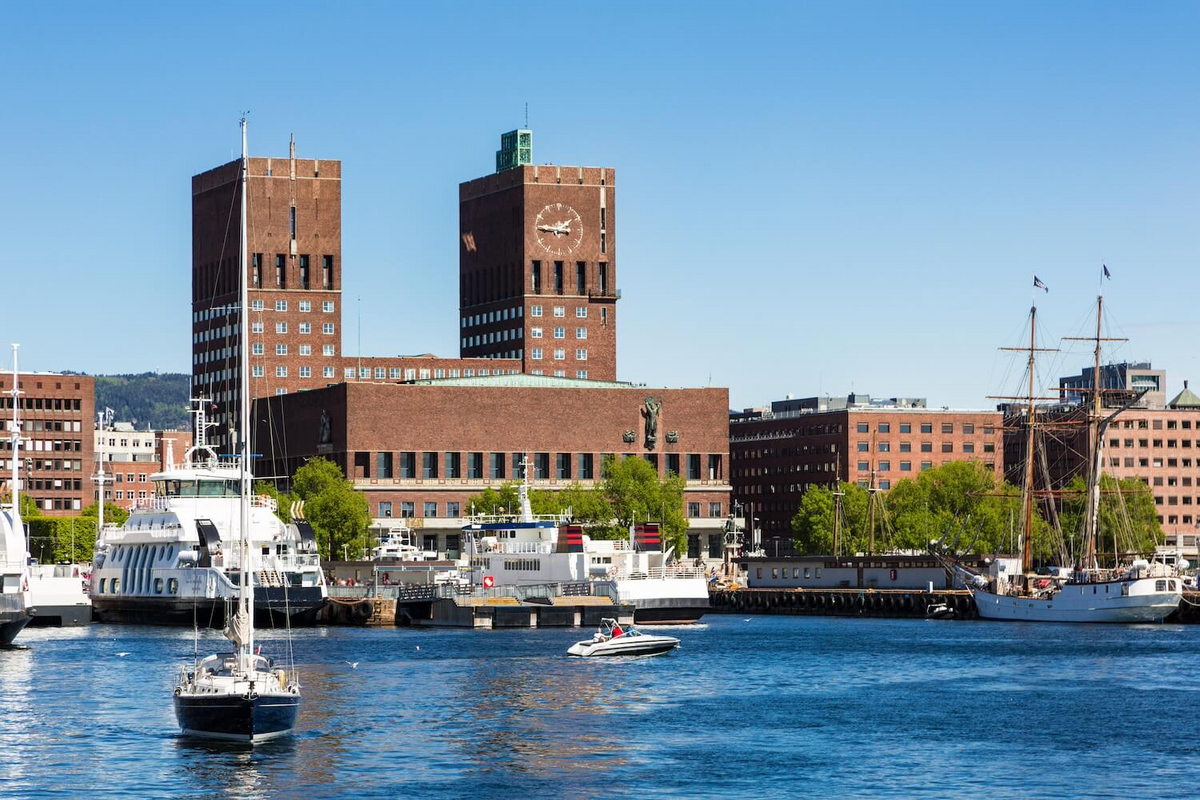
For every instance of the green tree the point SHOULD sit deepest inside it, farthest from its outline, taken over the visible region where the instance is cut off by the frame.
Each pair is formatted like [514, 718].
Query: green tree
[1127, 519]
[813, 522]
[495, 501]
[635, 493]
[338, 514]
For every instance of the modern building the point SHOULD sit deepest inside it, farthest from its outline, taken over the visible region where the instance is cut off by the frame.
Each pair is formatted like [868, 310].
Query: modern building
[57, 418]
[131, 456]
[1158, 445]
[420, 451]
[1119, 383]
[294, 247]
[777, 453]
[538, 266]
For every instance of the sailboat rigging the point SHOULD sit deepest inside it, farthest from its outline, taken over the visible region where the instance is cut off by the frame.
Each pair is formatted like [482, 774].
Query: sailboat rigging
[239, 696]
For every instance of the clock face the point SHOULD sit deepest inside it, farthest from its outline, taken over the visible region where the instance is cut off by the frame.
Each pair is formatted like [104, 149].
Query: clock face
[559, 229]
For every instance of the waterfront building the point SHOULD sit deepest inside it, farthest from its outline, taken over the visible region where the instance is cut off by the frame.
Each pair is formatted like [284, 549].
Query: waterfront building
[57, 417]
[419, 451]
[778, 452]
[131, 456]
[1122, 380]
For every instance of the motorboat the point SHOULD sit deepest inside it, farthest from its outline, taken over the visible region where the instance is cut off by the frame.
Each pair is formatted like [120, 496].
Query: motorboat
[613, 640]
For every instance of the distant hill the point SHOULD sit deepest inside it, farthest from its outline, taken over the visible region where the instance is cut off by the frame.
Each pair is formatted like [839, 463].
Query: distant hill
[157, 399]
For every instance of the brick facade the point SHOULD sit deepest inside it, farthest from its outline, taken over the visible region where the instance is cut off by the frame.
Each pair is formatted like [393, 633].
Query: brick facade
[294, 267]
[440, 443]
[775, 457]
[58, 416]
[547, 298]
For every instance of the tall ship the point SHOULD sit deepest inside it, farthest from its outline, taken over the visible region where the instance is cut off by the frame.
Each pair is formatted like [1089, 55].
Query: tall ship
[1129, 588]
[14, 552]
[176, 559]
[527, 549]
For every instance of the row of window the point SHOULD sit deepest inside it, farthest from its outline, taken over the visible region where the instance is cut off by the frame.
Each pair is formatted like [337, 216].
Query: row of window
[905, 466]
[582, 374]
[281, 371]
[926, 447]
[558, 353]
[1157, 424]
[39, 465]
[501, 466]
[46, 445]
[1148, 443]
[408, 509]
[305, 306]
[559, 333]
[500, 315]
[257, 349]
[968, 428]
[57, 484]
[492, 337]
[44, 403]
[58, 503]
[256, 268]
[1155, 462]
[119, 494]
[581, 312]
[535, 272]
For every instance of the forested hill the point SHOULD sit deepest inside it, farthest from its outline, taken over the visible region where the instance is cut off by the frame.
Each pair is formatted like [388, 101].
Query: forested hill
[157, 399]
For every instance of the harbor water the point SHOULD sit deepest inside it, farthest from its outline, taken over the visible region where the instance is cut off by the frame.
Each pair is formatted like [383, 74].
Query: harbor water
[748, 707]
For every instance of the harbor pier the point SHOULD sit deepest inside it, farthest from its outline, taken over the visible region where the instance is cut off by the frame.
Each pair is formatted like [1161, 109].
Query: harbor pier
[842, 602]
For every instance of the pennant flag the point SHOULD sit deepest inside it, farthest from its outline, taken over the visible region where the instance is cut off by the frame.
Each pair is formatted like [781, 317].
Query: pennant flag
[1107, 274]
[1037, 284]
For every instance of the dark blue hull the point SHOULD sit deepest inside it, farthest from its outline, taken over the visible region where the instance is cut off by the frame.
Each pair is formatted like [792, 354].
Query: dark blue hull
[235, 718]
[10, 627]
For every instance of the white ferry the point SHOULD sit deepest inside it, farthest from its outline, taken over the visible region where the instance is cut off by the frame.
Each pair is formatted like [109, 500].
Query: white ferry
[525, 549]
[176, 559]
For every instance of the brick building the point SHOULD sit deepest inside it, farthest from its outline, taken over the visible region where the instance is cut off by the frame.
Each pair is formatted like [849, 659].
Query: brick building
[58, 413]
[538, 268]
[131, 456]
[294, 250]
[420, 451]
[776, 453]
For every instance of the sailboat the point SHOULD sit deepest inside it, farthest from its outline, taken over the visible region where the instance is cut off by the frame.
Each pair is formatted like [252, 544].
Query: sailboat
[239, 696]
[1139, 591]
[14, 553]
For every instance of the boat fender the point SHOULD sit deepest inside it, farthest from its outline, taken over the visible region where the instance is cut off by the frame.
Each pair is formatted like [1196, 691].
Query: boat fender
[178, 691]
[251, 696]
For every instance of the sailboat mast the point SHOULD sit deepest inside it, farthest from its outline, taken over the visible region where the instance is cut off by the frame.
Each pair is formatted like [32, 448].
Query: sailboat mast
[1027, 495]
[245, 595]
[1094, 417]
[15, 438]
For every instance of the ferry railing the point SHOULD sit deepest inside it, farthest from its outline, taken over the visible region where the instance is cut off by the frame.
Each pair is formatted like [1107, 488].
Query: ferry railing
[435, 591]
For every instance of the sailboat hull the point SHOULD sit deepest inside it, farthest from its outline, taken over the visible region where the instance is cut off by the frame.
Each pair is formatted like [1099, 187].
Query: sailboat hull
[1145, 600]
[237, 718]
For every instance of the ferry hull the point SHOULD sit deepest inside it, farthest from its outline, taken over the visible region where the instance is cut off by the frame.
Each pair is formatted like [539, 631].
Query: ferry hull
[668, 614]
[271, 608]
[237, 718]
[1078, 603]
[64, 616]
[10, 627]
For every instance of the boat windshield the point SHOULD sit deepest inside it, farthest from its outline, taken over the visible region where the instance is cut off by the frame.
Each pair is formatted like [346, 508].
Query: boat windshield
[197, 488]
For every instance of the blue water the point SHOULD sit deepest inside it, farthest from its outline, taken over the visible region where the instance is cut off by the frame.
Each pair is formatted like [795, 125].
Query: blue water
[750, 707]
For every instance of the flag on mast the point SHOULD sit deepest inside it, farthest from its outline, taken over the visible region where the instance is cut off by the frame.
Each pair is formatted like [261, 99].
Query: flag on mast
[1107, 274]
[1037, 284]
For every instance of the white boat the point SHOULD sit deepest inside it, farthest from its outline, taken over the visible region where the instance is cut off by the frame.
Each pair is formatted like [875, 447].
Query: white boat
[14, 549]
[239, 696]
[527, 549]
[396, 544]
[176, 558]
[613, 640]
[58, 595]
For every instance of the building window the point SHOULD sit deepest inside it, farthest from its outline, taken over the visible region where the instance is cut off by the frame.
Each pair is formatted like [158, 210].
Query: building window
[256, 371]
[947, 447]
[693, 467]
[256, 327]
[281, 349]
[581, 374]
[394, 373]
[535, 333]
[560, 311]
[693, 510]
[885, 447]
[926, 447]
[454, 465]
[306, 349]
[293, 222]
[581, 354]
[906, 466]
[327, 271]
[585, 467]
[281, 305]
[559, 354]
[926, 427]
[305, 306]
[327, 306]
[380, 372]
[327, 372]
[906, 427]
[968, 428]
[256, 305]
[947, 427]
[306, 372]
[385, 508]
[407, 509]
[581, 312]
[864, 447]
[280, 271]
[581, 333]
[256, 349]
[863, 427]
[475, 466]
[968, 447]
[305, 327]
[281, 372]
[885, 427]
[326, 349]
[281, 327]
[863, 466]
[562, 467]
[327, 328]
[535, 311]
[496, 465]
[429, 465]
[560, 333]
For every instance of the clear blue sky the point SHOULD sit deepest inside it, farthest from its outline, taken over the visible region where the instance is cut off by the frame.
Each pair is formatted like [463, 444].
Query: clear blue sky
[812, 197]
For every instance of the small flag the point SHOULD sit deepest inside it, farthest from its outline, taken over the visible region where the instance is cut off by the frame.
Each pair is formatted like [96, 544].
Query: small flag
[1107, 274]
[1037, 284]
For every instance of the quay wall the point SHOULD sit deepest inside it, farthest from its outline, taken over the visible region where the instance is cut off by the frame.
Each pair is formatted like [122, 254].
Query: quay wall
[840, 602]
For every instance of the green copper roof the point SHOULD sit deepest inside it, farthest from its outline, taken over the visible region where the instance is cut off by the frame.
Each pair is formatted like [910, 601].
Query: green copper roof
[1185, 399]
[527, 380]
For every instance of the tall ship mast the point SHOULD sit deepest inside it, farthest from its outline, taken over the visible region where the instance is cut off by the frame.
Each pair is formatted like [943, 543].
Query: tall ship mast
[1079, 590]
[240, 696]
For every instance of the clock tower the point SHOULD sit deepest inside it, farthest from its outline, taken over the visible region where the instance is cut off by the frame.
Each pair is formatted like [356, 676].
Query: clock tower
[538, 266]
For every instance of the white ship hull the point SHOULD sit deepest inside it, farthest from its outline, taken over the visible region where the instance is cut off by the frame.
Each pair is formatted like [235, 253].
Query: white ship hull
[1142, 600]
